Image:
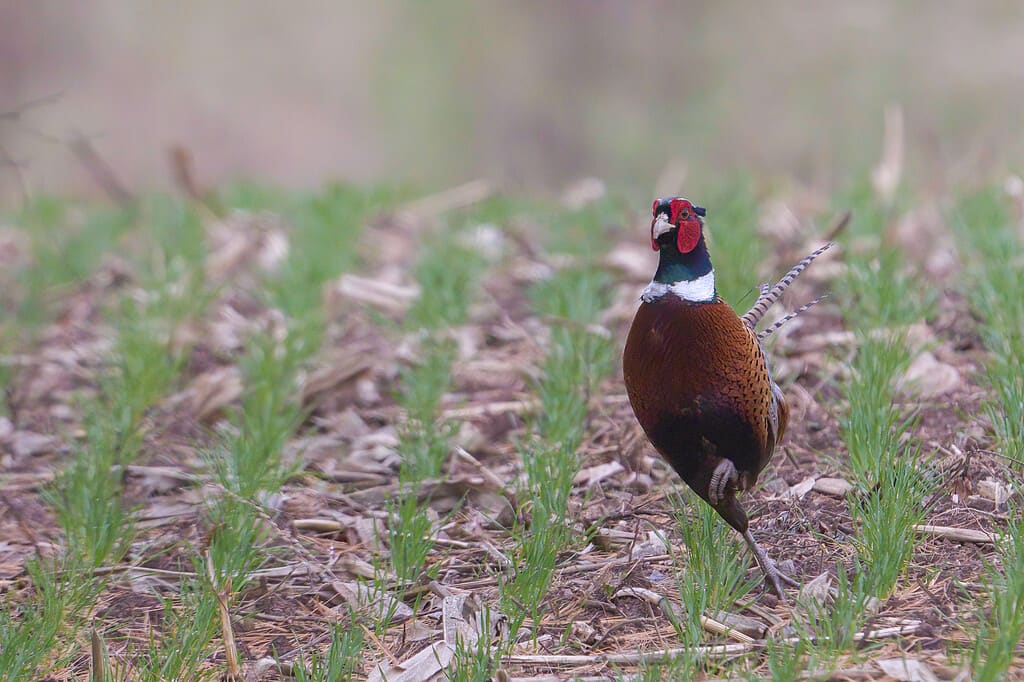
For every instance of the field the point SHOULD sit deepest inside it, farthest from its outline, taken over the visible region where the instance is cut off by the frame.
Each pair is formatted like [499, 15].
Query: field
[367, 433]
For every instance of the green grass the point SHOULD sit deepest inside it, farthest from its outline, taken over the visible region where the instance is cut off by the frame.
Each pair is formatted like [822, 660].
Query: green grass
[584, 233]
[339, 663]
[247, 461]
[713, 575]
[249, 458]
[409, 537]
[686, 666]
[879, 296]
[475, 661]
[578, 357]
[87, 494]
[177, 649]
[30, 631]
[994, 278]
[788, 662]
[1001, 628]
[993, 256]
[423, 442]
[323, 243]
[447, 273]
[120, 418]
[885, 517]
[549, 472]
[872, 427]
[67, 245]
[832, 627]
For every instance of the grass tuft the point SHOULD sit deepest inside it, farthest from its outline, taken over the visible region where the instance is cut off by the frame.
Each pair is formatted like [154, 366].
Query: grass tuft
[341, 660]
[714, 574]
[1001, 628]
[993, 254]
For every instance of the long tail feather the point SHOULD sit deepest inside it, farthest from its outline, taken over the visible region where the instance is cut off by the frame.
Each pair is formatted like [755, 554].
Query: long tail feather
[778, 323]
[766, 300]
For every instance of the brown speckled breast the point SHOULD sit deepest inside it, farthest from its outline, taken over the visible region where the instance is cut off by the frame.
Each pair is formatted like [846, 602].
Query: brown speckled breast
[699, 385]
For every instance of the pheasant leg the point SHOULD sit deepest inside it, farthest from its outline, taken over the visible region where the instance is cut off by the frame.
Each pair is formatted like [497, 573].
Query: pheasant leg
[772, 574]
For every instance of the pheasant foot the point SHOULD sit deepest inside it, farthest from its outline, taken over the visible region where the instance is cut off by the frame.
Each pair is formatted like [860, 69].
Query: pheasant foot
[773, 576]
[724, 474]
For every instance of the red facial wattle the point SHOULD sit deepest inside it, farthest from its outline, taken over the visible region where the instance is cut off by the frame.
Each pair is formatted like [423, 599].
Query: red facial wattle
[688, 236]
[685, 216]
[654, 210]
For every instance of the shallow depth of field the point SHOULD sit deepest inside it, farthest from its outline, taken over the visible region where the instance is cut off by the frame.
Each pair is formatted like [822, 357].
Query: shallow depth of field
[373, 426]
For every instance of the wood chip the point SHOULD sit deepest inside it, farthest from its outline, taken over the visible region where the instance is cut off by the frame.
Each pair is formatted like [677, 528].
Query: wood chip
[392, 298]
[492, 409]
[592, 475]
[797, 492]
[814, 594]
[317, 525]
[994, 490]
[30, 444]
[907, 670]
[419, 667]
[211, 392]
[360, 595]
[957, 534]
[335, 371]
[430, 207]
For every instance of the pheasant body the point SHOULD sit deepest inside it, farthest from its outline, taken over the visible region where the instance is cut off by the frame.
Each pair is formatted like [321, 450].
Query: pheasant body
[700, 388]
[697, 377]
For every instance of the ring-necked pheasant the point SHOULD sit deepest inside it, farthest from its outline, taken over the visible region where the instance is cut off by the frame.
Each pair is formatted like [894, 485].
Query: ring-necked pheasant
[697, 376]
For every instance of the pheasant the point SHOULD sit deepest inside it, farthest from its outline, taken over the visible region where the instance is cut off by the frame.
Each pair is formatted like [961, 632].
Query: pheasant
[697, 376]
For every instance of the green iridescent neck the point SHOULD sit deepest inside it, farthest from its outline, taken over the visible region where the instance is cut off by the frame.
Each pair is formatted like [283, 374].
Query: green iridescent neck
[682, 267]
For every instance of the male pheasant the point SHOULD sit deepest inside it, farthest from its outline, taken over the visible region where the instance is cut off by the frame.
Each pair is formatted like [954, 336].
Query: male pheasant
[697, 376]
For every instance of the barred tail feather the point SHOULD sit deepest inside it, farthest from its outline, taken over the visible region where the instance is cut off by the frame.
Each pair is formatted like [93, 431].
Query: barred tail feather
[778, 324]
[766, 300]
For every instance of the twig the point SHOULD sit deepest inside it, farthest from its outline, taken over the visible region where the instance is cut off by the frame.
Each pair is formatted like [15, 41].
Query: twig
[15, 167]
[957, 534]
[492, 409]
[486, 473]
[15, 114]
[184, 176]
[99, 656]
[183, 170]
[839, 226]
[228, 634]
[100, 170]
[429, 207]
[632, 658]
[317, 525]
[380, 645]
[709, 651]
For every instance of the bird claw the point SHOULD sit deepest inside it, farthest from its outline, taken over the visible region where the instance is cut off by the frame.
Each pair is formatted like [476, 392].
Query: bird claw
[772, 575]
[724, 474]
[780, 577]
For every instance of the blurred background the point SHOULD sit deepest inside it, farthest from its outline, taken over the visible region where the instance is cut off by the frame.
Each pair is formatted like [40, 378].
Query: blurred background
[532, 95]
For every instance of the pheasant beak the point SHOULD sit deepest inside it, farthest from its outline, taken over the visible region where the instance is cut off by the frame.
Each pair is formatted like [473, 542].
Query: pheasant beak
[660, 226]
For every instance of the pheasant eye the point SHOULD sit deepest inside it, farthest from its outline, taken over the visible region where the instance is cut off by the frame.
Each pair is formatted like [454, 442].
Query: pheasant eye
[684, 214]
